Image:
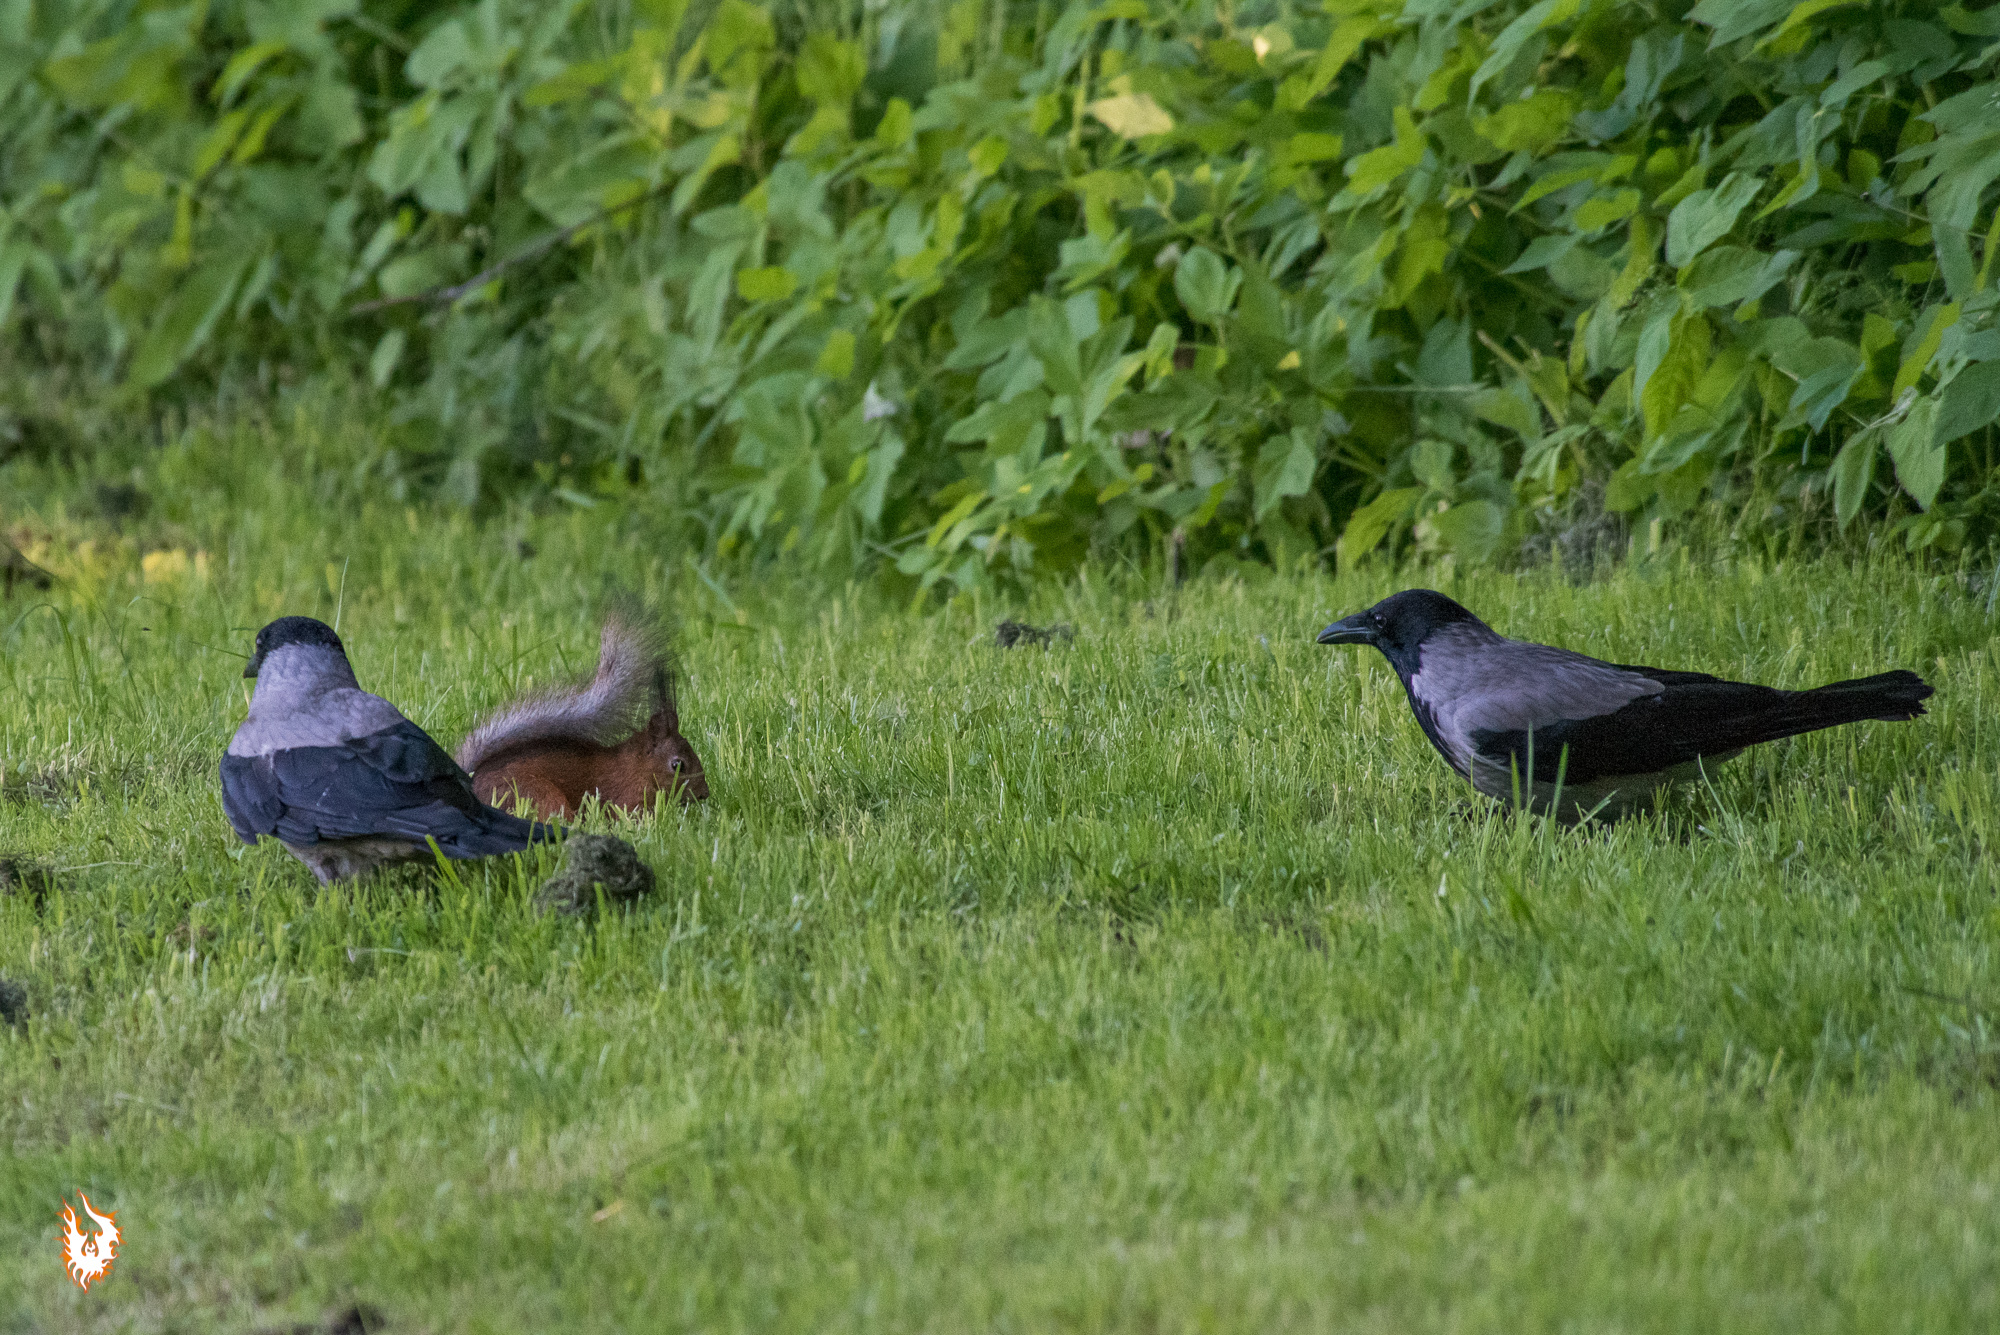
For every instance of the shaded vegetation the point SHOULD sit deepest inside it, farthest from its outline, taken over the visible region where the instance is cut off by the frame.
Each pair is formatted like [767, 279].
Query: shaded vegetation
[979, 288]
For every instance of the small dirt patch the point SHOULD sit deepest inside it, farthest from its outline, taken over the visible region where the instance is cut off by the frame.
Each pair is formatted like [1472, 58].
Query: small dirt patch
[1014, 634]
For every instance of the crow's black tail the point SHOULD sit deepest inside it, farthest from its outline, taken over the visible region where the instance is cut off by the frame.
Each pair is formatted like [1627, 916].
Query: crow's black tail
[494, 831]
[1892, 697]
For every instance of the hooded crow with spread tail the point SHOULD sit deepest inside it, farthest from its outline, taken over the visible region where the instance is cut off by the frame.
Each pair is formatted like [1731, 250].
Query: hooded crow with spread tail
[341, 778]
[1569, 734]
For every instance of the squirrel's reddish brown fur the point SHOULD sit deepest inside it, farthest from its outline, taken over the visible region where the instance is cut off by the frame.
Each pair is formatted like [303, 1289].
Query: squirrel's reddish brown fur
[617, 736]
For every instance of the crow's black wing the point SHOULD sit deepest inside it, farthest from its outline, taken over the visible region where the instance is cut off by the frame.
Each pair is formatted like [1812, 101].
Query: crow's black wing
[397, 783]
[1696, 716]
[250, 798]
[1669, 677]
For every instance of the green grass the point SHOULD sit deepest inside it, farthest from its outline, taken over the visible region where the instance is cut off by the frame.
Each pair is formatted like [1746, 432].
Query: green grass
[1166, 981]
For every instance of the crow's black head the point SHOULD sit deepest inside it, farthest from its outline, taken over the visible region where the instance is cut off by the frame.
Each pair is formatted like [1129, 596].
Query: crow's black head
[292, 630]
[1399, 624]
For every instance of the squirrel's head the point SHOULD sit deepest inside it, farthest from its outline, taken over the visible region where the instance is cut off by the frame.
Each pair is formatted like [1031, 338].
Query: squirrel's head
[679, 766]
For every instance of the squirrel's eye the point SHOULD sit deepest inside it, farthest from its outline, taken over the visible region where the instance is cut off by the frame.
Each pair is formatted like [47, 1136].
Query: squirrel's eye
[674, 764]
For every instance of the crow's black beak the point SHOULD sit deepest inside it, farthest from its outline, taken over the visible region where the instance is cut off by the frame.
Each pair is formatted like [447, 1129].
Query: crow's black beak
[1357, 629]
[256, 661]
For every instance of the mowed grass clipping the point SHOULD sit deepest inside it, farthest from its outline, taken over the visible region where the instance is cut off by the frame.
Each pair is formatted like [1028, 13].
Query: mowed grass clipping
[1163, 980]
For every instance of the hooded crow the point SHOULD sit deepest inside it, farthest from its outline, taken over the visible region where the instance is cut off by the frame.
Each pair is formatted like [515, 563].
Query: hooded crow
[342, 779]
[1570, 734]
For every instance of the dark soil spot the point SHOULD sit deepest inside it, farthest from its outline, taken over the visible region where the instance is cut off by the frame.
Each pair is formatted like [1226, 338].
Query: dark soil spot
[18, 569]
[1012, 634]
[33, 436]
[13, 1002]
[120, 500]
[24, 876]
[360, 1319]
[186, 936]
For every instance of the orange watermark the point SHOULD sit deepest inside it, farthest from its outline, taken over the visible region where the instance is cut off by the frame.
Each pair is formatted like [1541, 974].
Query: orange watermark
[89, 1258]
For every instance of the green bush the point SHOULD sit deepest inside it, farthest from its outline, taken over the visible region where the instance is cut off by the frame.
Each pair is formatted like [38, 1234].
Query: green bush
[977, 288]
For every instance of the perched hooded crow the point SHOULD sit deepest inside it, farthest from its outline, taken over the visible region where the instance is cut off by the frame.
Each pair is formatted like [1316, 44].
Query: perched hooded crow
[1529, 720]
[341, 778]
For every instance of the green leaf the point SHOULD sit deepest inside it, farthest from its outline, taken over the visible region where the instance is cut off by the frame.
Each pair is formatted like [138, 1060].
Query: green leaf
[1917, 359]
[1985, 23]
[1379, 166]
[772, 283]
[1470, 529]
[252, 143]
[1677, 348]
[988, 154]
[1732, 19]
[388, 352]
[1311, 146]
[1642, 246]
[836, 359]
[220, 139]
[1629, 488]
[1604, 210]
[1348, 37]
[1132, 115]
[738, 42]
[1802, 13]
[1206, 284]
[665, 14]
[1853, 470]
[1969, 402]
[874, 487]
[1504, 407]
[1532, 125]
[1430, 461]
[1515, 36]
[1728, 275]
[439, 55]
[1918, 455]
[13, 260]
[1562, 177]
[1823, 391]
[1544, 251]
[896, 125]
[1367, 526]
[1285, 466]
[241, 66]
[1706, 216]
[830, 70]
[187, 319]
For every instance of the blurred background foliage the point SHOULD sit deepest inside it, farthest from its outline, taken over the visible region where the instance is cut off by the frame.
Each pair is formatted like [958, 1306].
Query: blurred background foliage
[974, 289]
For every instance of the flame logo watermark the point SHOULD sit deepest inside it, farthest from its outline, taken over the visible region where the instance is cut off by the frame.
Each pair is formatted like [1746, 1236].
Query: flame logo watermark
[89, 1259]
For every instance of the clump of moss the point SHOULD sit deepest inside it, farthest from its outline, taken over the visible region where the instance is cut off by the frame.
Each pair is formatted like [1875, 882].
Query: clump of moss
[590, 861]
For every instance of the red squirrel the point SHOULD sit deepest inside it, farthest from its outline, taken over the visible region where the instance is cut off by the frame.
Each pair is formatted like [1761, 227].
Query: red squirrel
[617, 736]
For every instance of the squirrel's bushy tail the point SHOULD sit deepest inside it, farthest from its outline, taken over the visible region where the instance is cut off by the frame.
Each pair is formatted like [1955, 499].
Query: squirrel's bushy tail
[633, 682]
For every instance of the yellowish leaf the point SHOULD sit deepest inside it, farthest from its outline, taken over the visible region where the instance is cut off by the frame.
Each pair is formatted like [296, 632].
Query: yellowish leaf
[1132, 115]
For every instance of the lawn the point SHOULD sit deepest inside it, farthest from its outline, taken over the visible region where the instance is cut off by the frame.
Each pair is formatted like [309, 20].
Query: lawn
[1161, 980]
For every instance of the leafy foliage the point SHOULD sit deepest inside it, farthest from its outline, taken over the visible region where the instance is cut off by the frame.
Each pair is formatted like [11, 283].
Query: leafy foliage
[977, 288]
